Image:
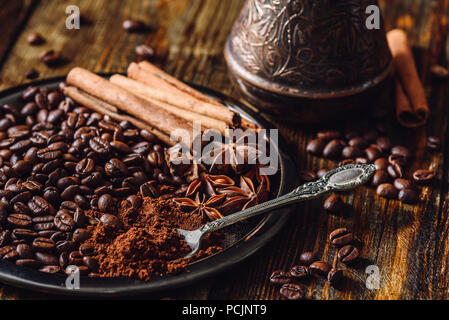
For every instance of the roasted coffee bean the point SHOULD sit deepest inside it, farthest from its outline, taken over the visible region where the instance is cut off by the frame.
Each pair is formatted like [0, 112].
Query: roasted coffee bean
[292, 291]
[395, 171]
[280, 277]
[328, 135]
[35, 38]
[361, 160]
[335, 276]
[380, 177]
[43, 244]
[433, 143]
[81, 235]
[115, 167]
[316, 146]
[358, 142]
[46, 258]
[307, 176]
[63, 259]
[31, 73]
[22, 208]
[28, 93]
[149, 190]
[24, 251]
[350, 152]
[75, 258]
[5, 237]
[381, 164]
[30, 263]
[423, 176]
[91, 263]
[134, 201]
[50, 269]
[397, 159]
[105, 203]
[439, 71]
[65, 245]
[400, 184]
[156, 159]
[299, 272]
[144, 51]
[401, 150]
[21, 233]
[99, 146]
[19, 220]
[372, 153]
[348, 254]
[387, 190]
[133, 25]
[333, 203]
[40, 206]
[47, 154]
[7, 250]
[50, 57]
[341, 237]
[64, 222]
[332, 149]
[306, 258]
[111, 221]
[86, 249]
[121, 146]
[319, 267]
[407, 195]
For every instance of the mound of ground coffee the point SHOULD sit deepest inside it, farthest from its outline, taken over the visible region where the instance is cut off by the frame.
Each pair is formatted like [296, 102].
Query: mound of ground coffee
[139, 242]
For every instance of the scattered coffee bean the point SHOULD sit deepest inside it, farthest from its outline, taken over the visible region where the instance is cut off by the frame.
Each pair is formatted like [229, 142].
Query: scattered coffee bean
[423, 176]
[439, 71]
[380, 177]
[144, 52]
[133, 25]
[332, 149]
[334, 276]
[401, 150]
[401, 183]
[292, 291]
[306, 258]
[319, 267]
[348, 254]
[35, 38]
[433, 143]
[31, 73]
[408, 196]
[387, 190]
[50, 57]
[333, 203]
[341, 237]
[280, 277]
[316, 146]
[299, 271]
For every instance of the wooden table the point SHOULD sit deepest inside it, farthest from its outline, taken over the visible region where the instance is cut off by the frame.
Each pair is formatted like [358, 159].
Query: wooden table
[409, 244]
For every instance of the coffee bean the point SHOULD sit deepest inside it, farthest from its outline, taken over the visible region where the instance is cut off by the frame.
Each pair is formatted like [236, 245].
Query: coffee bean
[144, 52]
[395, 171]
[111, 221]
[50, 57]
[332, 149]
[65, 246]
[133, 25]
[358, 142]
[134, 201]
[328, 135]
[333, 203]
[99, 145]
[423, 176]
[439, 72]
[433, 143]
[341, 237]
[348, 254]
[46, 258]
[91, 263]
[87, 249]
[31, 73]
[320, 268]
[380, 177]
[30, 263]
[40, 206]
[349, 152]
[280, 277]
[381, 164]
[334, 276]
[7, 251]
[81, 235]
[75, 258]
[372, 153]
[292, 291]
[24, 251]
[401, 183]
[5, 237]
[43, 244]
[35, 38]
[397, 159]
[316, 146]
[21, 233]
[50, 269]
[299, 272]
[63, 221]
[387, 190]
[306, 258]
[384, 143]
[407, 196]
[19, 220]
[401, 150]
[149, 190]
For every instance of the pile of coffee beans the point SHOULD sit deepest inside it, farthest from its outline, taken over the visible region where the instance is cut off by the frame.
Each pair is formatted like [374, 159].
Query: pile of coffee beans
[347, 253]
[58, 161]
[372, 146]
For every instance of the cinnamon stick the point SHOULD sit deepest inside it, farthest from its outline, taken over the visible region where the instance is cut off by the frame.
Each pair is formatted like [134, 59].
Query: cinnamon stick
[172, 95]
[105, 108]
[144, 110]
[412, 109]
[148, 93]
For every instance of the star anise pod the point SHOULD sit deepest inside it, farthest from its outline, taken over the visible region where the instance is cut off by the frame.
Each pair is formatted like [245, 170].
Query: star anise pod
[244, 197]
[205, 208]
[234, 157]
[206, 183]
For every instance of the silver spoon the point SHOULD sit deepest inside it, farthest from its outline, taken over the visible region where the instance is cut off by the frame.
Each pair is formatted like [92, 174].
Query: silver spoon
[340, 179]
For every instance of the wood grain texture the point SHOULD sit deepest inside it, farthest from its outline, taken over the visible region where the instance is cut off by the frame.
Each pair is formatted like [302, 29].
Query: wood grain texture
[409, 244]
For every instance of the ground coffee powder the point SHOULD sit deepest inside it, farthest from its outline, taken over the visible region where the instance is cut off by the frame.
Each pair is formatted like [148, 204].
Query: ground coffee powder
[145, 241]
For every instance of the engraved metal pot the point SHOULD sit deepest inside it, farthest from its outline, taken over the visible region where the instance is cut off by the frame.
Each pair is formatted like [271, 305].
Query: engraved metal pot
[298, 59]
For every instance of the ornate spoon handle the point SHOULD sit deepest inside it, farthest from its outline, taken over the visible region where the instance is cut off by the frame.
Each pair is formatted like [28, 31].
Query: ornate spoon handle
[342, 178]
